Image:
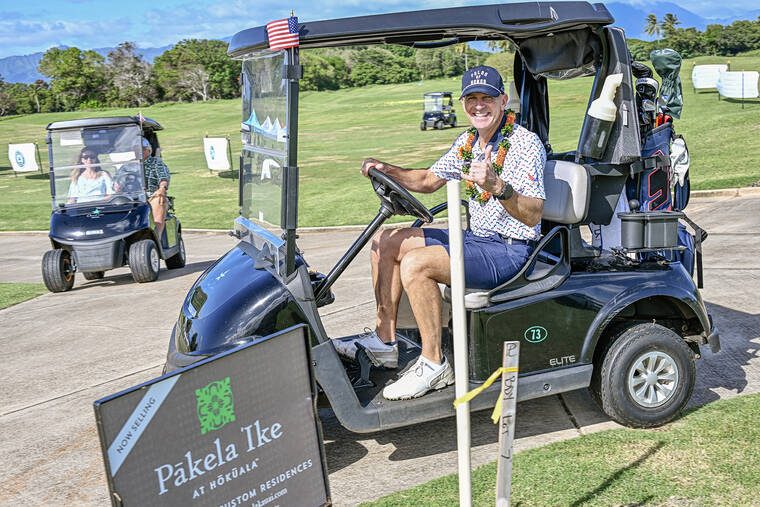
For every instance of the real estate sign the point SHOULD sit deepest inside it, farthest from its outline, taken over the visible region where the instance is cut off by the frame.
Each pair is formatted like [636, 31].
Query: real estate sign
[236, 429]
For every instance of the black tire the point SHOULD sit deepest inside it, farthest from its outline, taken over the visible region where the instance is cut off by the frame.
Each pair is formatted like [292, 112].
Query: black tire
[423, 126]
[93, 275]
[177, 260]
[144, 261]
[622, 391]
[439, 125]
[454, 123]
[57, 270]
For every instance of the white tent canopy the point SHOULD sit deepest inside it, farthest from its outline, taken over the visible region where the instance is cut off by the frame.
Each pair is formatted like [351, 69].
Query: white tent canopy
[738, 85]
[706, 76]
[23, 157]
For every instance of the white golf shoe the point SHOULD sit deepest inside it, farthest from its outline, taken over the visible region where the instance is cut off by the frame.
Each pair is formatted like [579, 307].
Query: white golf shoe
[381, 353]
[424, 376]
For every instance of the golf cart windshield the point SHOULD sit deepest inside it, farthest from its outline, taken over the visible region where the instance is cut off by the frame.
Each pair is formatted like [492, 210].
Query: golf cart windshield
[264, 156]
[434, 103]
[94, 165]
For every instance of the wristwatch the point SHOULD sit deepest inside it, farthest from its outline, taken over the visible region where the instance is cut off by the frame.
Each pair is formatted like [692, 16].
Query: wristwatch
[506, 192]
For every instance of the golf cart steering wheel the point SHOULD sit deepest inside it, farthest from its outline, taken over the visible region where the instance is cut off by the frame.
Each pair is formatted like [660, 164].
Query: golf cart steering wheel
[128, 182]
[395, 198]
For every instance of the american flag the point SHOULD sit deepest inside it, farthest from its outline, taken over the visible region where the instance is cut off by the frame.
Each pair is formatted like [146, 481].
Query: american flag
[283, 33]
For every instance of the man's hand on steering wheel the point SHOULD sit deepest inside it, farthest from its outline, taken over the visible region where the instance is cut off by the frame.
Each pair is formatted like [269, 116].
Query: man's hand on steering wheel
[371, 163]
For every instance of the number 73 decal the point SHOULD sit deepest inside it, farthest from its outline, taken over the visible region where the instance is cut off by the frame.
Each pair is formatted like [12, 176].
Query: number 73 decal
[536, 334]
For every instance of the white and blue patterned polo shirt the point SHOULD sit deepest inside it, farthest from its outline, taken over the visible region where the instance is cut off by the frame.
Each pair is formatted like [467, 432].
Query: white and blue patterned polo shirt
[523, 169]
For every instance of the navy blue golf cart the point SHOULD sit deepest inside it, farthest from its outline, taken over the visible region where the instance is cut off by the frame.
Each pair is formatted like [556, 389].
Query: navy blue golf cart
[438, 111]
[625, 322]
[101, 219]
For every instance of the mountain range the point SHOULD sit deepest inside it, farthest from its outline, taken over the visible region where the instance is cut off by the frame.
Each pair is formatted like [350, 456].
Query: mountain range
[631, 18]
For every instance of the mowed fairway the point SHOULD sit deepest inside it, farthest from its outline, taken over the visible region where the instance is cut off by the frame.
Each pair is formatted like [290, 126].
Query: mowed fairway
[340, 128]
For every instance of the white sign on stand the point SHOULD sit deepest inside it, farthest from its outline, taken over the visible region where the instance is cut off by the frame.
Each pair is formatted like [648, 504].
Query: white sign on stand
[218, 153]
[510, 370]
[23, 157]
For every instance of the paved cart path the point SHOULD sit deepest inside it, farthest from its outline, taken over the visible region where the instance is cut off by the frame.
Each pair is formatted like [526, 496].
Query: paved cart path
[63, 351]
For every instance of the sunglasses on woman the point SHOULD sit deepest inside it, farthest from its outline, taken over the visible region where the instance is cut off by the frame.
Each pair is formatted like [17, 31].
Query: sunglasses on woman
[89, 156]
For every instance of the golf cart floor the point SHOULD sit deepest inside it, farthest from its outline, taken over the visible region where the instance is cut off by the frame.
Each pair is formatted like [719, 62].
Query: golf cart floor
[408, 352]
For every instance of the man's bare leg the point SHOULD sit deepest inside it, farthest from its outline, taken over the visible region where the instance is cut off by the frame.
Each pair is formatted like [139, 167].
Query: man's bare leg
[388, 248]
[421, 272]
[159, 208]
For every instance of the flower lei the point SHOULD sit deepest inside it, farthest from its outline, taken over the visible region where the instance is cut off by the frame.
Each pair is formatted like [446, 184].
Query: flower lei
[465, 153]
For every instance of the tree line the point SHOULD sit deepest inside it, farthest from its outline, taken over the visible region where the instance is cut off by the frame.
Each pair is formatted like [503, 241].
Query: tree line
[190, 71]
[715, 40]
[199, 70]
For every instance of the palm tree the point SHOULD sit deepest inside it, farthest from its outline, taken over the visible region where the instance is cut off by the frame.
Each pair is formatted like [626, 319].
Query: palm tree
[463, 49]
[668, 24]
[652, 27]
[502, 45]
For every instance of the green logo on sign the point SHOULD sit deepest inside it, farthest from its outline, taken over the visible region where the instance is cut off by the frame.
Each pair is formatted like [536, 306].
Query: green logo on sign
[215, 405]
[536, 334]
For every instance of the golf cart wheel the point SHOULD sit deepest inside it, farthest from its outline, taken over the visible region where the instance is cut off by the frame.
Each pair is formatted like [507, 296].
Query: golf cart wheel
[454, 123]
[646, 376]
[423, 126]
[144, 261]
[57, 270]
[439, 125]
[93, 275]
[177, 260]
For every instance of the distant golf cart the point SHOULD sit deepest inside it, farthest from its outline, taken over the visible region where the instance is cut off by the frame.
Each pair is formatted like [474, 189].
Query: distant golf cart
[438, 111]
[104, 222]
[624, 322]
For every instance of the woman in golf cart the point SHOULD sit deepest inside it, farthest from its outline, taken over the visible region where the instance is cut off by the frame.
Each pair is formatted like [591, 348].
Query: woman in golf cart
[89, 182]
[503, 165]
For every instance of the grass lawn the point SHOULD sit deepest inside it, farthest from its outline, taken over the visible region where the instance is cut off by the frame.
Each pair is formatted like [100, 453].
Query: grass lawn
[710, 456]
[14, 293]
[340, 128]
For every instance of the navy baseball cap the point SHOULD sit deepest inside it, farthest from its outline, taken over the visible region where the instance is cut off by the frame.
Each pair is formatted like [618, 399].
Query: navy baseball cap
[483, 79]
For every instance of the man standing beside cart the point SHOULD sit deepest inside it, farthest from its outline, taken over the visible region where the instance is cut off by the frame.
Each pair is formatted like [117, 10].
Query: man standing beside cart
[502, 164]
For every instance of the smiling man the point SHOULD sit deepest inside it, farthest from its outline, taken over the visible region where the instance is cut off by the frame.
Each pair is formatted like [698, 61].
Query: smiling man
[503, 166]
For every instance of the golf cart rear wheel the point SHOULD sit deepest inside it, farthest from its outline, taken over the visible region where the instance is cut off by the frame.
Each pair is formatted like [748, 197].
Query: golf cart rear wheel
[646, 376]
[93, 275]
[454, 123]
[144, 261]
[57, 270]
[423, 126]
[439, 125]
[177, 260]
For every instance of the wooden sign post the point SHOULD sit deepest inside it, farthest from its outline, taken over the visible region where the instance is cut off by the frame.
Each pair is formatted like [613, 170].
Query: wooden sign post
[510, 362]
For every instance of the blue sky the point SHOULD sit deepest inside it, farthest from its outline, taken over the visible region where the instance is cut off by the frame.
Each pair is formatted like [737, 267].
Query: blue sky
[28, 28]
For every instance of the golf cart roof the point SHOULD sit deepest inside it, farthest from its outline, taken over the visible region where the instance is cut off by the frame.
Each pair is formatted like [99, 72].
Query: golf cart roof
[438, 93]
[109, 121]
[446, 26]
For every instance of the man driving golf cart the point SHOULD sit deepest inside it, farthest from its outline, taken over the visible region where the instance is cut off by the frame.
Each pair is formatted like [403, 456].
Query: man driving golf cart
[625, 325]
[503, 165]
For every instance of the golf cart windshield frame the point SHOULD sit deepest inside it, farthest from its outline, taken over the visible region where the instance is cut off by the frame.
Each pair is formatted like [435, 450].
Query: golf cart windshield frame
[118, 160]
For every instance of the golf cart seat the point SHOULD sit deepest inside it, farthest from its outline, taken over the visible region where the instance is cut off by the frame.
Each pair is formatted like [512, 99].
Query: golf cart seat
[567, 186]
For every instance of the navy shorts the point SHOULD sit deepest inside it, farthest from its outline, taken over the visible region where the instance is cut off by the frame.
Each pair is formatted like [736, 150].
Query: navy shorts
[488, 262]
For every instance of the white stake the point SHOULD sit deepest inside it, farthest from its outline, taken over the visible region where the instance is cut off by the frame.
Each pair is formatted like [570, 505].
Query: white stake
[510, 362]
[461, 372]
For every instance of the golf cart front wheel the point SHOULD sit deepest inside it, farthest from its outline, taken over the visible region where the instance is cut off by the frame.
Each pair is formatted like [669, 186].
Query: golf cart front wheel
[93, 275]
[177, 260]
[144, 261]
[646, 376]
[57, 270]
[439, 125]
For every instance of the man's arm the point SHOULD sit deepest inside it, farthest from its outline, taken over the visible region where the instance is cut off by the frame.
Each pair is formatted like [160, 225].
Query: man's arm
[526, 209]
[417, 180]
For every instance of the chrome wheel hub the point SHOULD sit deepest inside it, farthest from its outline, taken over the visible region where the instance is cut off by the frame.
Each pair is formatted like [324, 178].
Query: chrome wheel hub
[652, 379]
